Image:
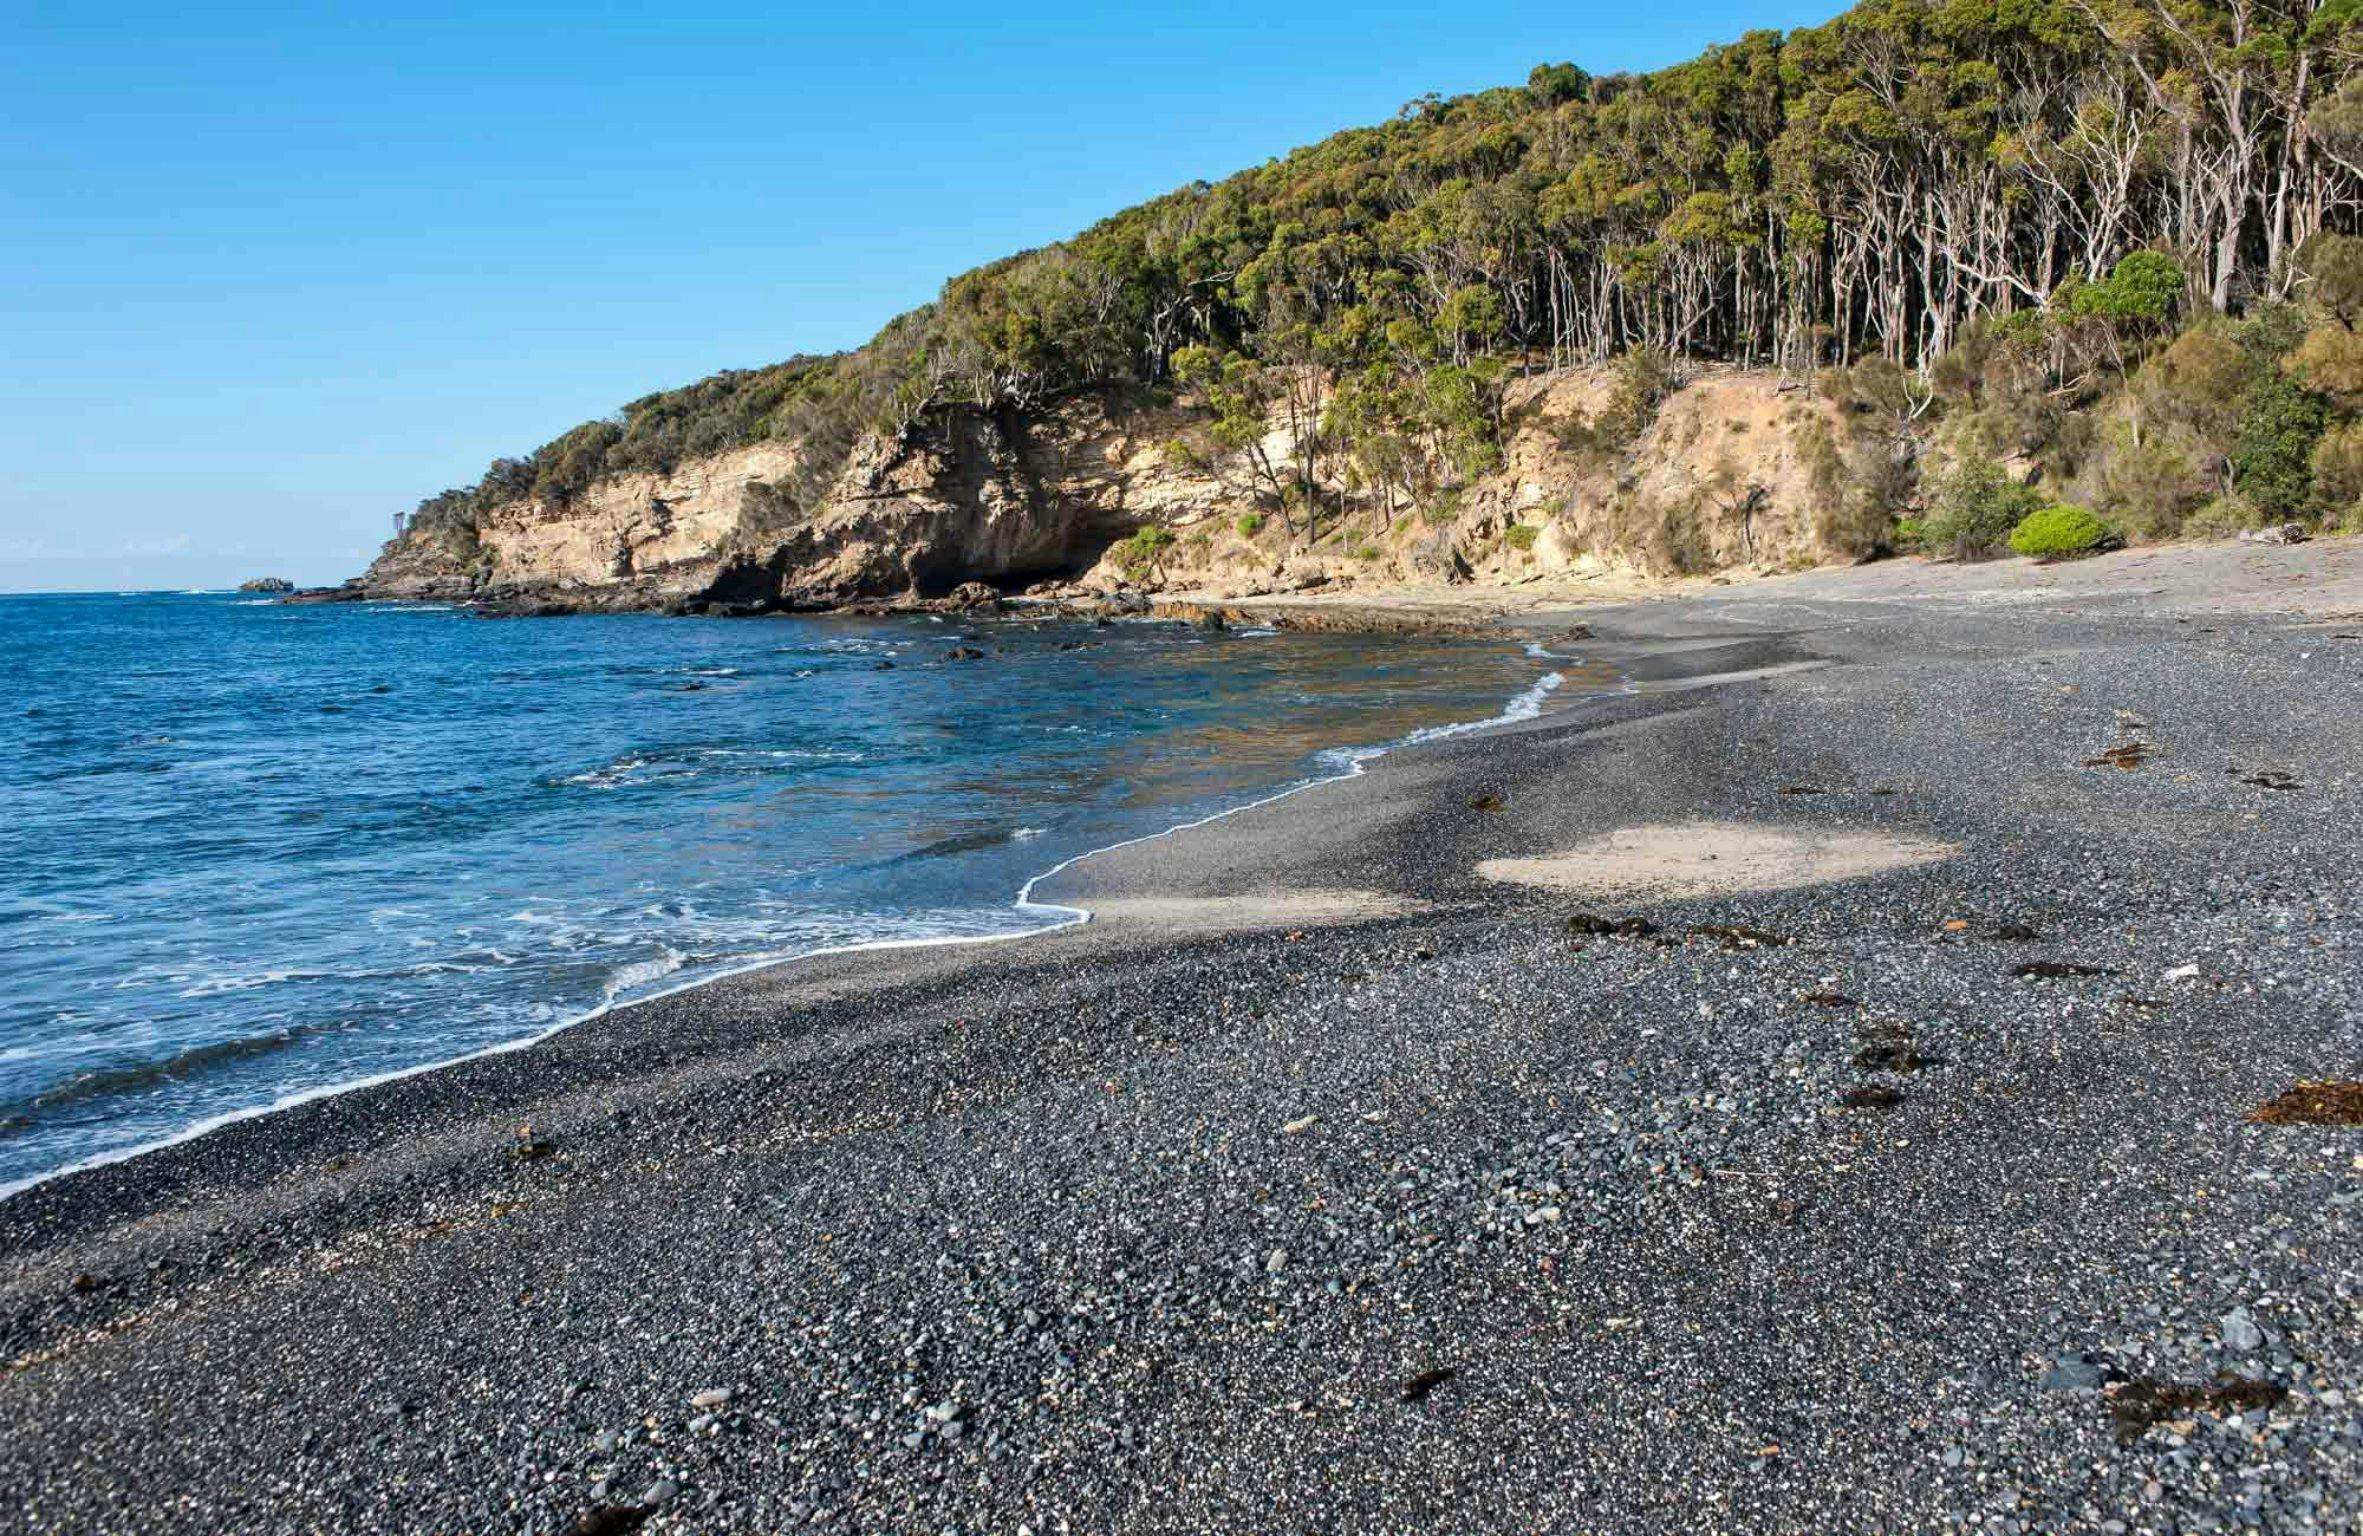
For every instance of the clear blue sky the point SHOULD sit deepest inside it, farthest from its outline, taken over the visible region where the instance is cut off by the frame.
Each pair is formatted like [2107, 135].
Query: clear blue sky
[268, 276]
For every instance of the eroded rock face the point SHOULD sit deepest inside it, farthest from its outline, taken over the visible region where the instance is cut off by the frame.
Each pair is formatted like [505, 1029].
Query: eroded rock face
[1735, 468]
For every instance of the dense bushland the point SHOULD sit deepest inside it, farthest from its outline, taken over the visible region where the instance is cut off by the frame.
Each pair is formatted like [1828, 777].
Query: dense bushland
[2054, 236]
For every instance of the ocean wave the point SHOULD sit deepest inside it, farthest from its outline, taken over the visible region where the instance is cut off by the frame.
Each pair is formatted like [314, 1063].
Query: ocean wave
[641, 973]
[107, 1082]
[636, 769]
[215, 986]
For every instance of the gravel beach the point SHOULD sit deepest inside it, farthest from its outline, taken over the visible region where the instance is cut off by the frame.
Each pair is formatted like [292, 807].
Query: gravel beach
[1459, 1147]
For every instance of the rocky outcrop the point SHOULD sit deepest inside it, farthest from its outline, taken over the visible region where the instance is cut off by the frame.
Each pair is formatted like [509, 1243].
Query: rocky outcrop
[267, 584]
[1734, 468]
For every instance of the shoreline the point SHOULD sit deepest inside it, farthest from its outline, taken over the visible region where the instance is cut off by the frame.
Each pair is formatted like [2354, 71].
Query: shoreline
[1448, 1214]
[1354, 757]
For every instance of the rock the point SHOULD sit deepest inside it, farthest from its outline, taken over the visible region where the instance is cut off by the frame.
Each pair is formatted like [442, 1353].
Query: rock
[659, 1493]
[2278, 533]
[964, 653]
[2240, 1331]
[2074, 1373]
[1275, 1261]
[270, 584]
[974, 597]
[712, 1397]
[1299, 1127]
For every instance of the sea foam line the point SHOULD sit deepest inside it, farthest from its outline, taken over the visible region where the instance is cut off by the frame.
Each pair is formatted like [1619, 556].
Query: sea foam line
[1526, 704]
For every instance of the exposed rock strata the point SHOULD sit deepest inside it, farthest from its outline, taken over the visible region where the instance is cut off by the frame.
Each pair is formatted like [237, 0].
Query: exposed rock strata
[1734, 469]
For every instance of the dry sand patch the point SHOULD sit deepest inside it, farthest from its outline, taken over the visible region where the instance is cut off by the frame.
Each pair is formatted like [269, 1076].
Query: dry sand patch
[1252, 910]
[1716, 858]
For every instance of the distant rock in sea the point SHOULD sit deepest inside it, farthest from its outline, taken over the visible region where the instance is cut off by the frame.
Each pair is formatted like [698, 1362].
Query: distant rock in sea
[267, 584]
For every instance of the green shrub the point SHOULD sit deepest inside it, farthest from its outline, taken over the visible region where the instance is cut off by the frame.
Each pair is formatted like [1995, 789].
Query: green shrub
[2061, 533]
[1521, 536]
[2273, 449]
[1141, 554]
[1250, 524]
[1974, 507]
[2223, 517]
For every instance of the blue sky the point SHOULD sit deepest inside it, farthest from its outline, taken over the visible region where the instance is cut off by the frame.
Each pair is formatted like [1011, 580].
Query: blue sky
[269, 275]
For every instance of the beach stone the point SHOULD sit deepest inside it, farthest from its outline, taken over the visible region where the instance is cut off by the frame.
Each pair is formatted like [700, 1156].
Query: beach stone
[2240, 1331]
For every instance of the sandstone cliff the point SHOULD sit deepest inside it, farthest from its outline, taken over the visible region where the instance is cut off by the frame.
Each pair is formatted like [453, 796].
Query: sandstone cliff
[1729, 468]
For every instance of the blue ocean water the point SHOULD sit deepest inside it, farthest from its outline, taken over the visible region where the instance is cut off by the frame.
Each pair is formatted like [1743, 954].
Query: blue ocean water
[250, 851]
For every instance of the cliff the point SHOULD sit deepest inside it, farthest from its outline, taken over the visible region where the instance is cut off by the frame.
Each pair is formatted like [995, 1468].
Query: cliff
[1730, 469]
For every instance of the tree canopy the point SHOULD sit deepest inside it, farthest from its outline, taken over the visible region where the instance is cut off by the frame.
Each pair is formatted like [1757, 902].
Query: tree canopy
[1874, 187]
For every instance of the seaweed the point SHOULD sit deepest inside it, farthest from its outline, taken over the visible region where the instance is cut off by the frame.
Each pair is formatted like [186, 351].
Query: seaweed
[2322, 1102]
[1825, 998]
[1870, 1096]
[1586, 925]
[2055, 970]
[2138, 1405]
[1803, 789]
[2127, 755]
[1888, 1056]
[1417, 1389]
[610, 1520]
[2015, 933]
[1485, 802]
[2266, 778]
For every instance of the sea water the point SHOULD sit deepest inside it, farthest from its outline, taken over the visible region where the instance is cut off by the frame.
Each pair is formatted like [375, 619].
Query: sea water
[251, 852]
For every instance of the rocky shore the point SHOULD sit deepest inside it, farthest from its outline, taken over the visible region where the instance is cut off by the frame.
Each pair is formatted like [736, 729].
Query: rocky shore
[1840, 1080]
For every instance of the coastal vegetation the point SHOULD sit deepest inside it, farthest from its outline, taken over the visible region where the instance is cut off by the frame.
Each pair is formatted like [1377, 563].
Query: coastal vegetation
[2058, 533]
[2097, 246]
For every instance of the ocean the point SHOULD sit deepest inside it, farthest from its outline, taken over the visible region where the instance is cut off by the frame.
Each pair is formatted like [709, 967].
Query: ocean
[252, 853]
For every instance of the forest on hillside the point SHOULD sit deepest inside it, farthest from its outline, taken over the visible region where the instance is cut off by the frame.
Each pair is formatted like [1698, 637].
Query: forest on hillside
[2001, 215]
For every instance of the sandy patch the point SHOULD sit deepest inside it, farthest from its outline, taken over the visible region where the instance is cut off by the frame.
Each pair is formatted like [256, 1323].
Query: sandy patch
[1715, 858]
[1257, 909]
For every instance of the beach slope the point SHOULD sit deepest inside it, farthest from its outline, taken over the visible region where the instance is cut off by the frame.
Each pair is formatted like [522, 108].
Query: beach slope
[1811, 1089]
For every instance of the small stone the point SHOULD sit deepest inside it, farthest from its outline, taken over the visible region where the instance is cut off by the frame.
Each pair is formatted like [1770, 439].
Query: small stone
[712, 1397]
[2073, 1373]
[1275, 1261]
[1299, 1127]
[659, 1493]
[2240, 1331]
